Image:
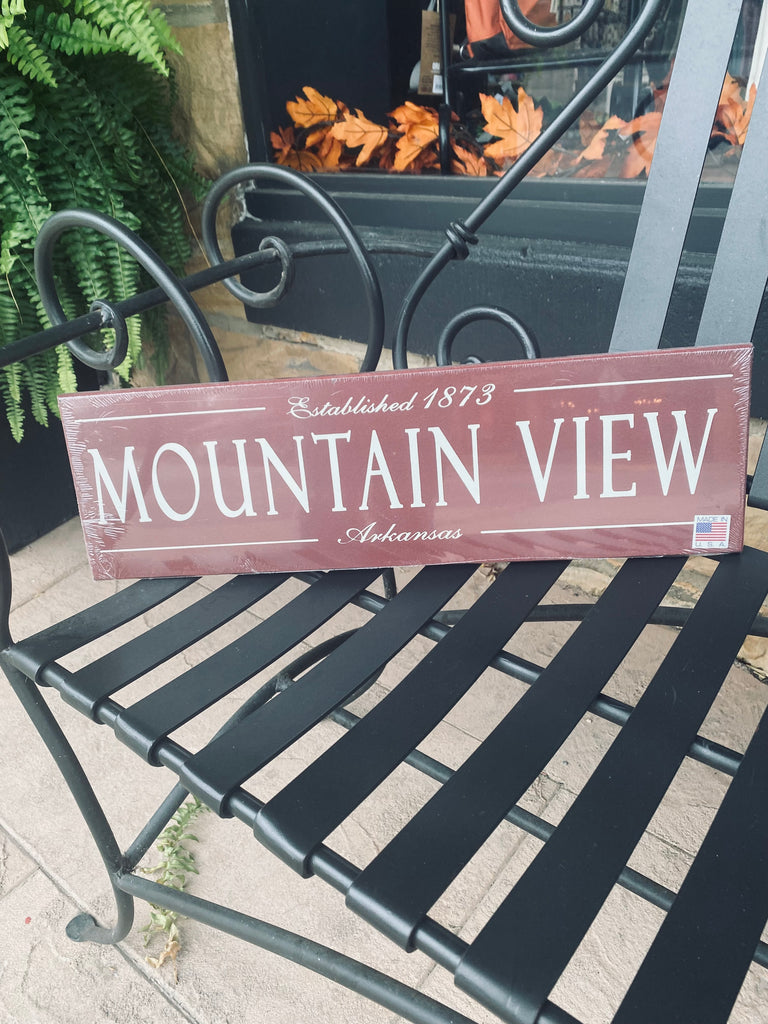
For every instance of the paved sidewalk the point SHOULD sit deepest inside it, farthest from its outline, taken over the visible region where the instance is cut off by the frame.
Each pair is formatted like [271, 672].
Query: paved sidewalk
[44, 881]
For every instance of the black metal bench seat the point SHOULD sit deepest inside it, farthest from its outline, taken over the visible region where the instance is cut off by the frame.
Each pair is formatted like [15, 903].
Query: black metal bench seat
[713, 925]
[303, 656]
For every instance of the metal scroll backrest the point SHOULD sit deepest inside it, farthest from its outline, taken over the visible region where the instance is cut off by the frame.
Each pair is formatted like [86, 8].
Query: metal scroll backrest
[694, 91]
[462, 234]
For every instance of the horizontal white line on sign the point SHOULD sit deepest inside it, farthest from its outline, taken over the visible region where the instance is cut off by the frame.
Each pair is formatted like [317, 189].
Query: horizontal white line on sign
[160, 415]
[608, 526]
[622, 383]
[233, 544]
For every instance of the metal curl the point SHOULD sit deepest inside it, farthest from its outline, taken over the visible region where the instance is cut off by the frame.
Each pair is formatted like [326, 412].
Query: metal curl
[285, 176]
[524, 334]
[288, 268]
[444, 135]
[186, 306]
[113, 319]
[537, 35]
[461, 238]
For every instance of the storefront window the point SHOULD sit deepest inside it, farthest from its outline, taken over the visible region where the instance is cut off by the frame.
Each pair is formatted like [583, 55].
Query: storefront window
[502, 94]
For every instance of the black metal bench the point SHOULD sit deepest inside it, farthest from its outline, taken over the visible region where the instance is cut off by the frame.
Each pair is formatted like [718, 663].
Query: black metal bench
[712, 929]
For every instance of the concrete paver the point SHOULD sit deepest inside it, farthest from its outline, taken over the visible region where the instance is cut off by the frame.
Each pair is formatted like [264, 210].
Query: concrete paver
[45, 979]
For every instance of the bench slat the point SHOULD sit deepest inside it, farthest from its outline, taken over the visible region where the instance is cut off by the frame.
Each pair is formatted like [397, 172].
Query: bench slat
[399, 886]
[694, 91]
[723, 902]
[84, 627]
[309, 808]
[537, 929]
[105, 676]
[181, 699]
[740, 272]
[228, 761]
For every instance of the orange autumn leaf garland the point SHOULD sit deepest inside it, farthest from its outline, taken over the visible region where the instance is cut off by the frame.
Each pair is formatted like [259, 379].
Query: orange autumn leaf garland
[313, 109]
[326, 136]
[733, 113]
[408, 143]
[417, 143]
[515, 129]
[357, 131]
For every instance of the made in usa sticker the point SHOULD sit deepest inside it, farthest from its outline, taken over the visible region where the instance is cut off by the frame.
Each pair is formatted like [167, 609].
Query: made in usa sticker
[711, 532]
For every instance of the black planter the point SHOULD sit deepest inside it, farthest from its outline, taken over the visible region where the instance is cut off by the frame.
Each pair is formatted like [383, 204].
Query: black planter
[36, 493]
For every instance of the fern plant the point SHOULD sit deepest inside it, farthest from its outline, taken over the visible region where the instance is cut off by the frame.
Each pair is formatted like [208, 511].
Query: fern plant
[85, 121]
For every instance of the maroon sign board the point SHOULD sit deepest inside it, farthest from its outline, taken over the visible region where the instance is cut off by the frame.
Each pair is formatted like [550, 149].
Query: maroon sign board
[631, 454]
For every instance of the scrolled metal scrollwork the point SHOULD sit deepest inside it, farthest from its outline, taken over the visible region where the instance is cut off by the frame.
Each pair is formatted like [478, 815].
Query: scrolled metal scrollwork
[460, 238]
[188, 309]
[252, 173]
[522, 333]
[567, 117]
[287, 268]
[556, 35]
[113, 319]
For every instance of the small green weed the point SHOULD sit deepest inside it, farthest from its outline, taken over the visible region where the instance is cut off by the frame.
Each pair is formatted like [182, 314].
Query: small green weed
[176, 863]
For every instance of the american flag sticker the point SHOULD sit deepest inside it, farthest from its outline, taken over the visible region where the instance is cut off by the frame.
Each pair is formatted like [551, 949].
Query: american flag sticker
[711, 532]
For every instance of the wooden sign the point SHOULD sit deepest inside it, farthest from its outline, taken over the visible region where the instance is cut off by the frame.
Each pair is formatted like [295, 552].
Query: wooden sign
[632, 454]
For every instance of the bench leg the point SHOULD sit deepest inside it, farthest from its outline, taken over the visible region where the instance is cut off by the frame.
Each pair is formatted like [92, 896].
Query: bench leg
[82, 928]
[407, 1002]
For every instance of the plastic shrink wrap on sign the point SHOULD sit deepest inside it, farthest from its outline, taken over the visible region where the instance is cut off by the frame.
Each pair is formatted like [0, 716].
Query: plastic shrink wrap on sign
[591, 456]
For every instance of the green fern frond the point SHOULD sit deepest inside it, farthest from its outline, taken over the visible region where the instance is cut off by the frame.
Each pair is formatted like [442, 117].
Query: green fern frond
[66, 372]
[13, 409]
[35, 388]
[13, 375]
[10, 8]
[9, 11]
[17, 113]
[73, 35]
[133, 28]
[23, 206]
[101, 139]
[25, 52]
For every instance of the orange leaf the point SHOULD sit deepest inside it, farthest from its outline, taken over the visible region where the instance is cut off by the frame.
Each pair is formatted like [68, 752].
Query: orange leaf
[644, 131]
[596, 147]
[315, 109]
[316, 137]
[418, 136]
[407, 151]
[302, 160]
[730, 110]
[731, 92]
[515, 129]
[734, 113]
[359, 131]
[288, 155]
[741, 127]
[282, 140]
[426, 161]
[410, 113]
[330, 152]
[555, 161]
[387, 154]
[589, 126]
[466, 162]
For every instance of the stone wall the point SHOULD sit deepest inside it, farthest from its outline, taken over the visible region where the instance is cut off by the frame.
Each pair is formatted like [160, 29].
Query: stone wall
[209, 120]
[209, 114]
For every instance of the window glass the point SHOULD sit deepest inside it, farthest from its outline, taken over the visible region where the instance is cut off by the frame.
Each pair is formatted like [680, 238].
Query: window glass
[503, 93]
